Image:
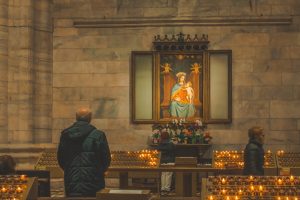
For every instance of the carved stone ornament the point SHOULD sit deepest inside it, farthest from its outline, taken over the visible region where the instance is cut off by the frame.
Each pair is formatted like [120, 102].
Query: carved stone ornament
[181, 42]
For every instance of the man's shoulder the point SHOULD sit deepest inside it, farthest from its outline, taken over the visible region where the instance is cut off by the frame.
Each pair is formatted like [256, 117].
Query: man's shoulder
[96, 133]
[252, 146]
[65, 131]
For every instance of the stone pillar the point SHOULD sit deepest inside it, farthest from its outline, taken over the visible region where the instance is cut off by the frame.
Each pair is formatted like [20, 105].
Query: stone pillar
[42, 72]
[3, 70]
[29, 71]
[20, 71]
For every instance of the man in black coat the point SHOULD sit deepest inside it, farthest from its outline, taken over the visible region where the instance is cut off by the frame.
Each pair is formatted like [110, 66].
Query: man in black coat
[166, 149]
[84, 155]
[254, 152]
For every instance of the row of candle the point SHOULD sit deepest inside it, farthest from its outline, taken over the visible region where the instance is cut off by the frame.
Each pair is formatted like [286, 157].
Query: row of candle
[222, 197]
[254, 190]
[47, 159]
[288, 154]
[288, 159]
[12, 187]
[256, 186]
[10, 197]
[13, 179]
[235, 159]
[255, 180]
[143, 158]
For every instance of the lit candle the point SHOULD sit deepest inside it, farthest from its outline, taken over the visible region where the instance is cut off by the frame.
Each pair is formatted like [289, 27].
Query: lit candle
[223, 181]
[240, 192]
[3, 189]
[223, 191]
[19, 189]
[260, 188]
[23, 177]
[211, 198]
[279, 181]
[292, 178]
[252, 188]
[251, 177]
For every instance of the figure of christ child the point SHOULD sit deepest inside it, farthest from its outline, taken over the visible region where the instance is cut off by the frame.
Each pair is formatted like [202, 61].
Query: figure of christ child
[189, 91]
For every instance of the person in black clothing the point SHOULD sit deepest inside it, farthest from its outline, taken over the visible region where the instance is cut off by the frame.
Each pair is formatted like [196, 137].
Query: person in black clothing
[167, 156]
[84, 155]
[254, 152]
[7, 165]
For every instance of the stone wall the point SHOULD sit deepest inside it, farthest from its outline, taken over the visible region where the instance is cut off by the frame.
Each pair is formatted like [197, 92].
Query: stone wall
[91, 65]
[26, 71]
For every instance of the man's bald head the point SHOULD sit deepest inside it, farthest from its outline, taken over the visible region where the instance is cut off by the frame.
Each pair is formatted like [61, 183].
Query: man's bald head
[84, 114]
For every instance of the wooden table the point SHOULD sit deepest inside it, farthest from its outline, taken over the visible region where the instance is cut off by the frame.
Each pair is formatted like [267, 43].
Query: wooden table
[186, 182]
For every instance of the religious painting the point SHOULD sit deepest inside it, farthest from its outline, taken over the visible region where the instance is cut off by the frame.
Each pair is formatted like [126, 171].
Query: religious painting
[181, 79]
[181, 86]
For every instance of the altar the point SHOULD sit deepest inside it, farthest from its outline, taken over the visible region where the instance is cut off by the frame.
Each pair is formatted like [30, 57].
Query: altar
[190, 150]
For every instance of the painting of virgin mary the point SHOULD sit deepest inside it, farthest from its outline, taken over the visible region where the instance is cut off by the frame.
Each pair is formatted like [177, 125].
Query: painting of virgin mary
[181, 95]
[181, 87]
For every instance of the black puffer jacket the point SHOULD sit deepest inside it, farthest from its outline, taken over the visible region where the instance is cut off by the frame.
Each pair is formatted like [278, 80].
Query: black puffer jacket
[84, 155]
[167, 152]
[254, 159]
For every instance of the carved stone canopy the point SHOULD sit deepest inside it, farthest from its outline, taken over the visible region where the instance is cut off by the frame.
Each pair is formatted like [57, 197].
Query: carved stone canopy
[181, 43]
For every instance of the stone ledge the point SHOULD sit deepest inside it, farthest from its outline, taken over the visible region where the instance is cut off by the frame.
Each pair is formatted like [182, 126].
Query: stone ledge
[155, 22]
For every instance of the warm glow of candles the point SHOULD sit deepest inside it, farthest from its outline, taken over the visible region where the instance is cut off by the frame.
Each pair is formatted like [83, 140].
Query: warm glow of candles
[19, 189]
[23, 177]
[240, 192]
[223, 181]
[3, 189]
[237, 188]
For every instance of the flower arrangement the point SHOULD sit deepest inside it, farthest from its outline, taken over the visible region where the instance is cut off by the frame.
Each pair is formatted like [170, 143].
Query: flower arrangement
[182, 132]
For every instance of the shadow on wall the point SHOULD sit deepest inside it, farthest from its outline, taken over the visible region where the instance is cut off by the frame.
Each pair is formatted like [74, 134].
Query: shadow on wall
[105, 108]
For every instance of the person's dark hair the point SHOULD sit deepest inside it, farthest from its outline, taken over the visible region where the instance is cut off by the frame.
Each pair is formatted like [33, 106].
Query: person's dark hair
[254, 132]
[164, 135]
[7, 165]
